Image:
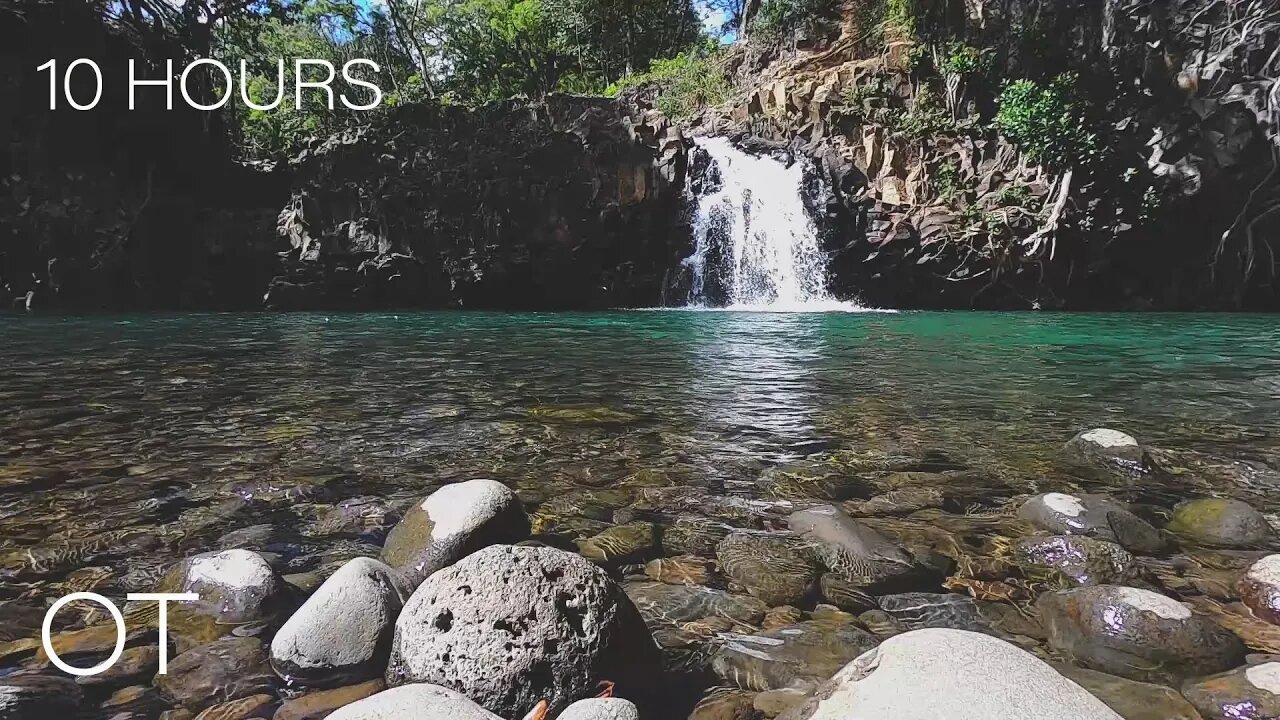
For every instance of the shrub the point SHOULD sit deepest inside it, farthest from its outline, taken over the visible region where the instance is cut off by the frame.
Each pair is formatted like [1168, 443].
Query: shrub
[1048, 121]
[778, 18]
[686, 83]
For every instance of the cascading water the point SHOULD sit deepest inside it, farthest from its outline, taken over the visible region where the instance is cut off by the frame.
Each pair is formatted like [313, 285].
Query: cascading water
[755, 247]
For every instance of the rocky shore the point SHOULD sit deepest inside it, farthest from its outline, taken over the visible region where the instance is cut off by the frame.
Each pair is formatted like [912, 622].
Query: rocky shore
[858, 586]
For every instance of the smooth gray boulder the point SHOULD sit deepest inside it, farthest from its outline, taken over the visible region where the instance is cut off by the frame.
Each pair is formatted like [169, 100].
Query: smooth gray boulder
[1259, 588]
[420, 701]
[1104, 449]
[342, 634]
[601, 709]
[1096, 516]
[1219, 522]
[235, 586]
[511, 625]
[1245, 693]
[450, 524]
[953, 674]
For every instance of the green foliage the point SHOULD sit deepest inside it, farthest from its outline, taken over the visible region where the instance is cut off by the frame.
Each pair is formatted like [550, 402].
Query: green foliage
[964, 60]
[1017, 196]
[778, 18]
[499, 48]
[900, 19]
[926, 116]
[947, 181]
[686, 83]
[1048, 121]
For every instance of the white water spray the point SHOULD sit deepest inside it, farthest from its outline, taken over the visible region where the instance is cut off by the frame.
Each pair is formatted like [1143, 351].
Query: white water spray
[754, 238]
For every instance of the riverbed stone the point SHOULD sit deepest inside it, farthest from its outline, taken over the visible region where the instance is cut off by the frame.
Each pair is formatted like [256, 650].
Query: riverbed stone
[319, 704]
[136, 664]
[1219, 522]
[1136, 633]
[680, 570]
[1106, 450]
[725, 703]
[694, 536]
[1082, 560]
[234, 586]
[1259, 588]
[630, 542]
[611, 708]
[450, 524]
[245, 708]
[919, 610]
[1246, 693]
[1096, 516]
[809, 481]
[226, 669]
[418, 701]
[1133, 700]
[661, 603]
[954, 674]
[509, 626]
[863, 557]
[342, 634]
[778, 569]
[799, 655]
[37, 697]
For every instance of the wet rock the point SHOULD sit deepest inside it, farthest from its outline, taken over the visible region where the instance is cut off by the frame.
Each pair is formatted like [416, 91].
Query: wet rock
[941, 673]
[809, 482]
[364, 517]
[1138, 634]
[881, 624]
[681, 570]
[900, 502]
[226, 669]
[694, 536]
[726, 704]
[510, 626]
[342, 634]
[620, 544]
[235, 586]
[37, 697]
[1092, 515]
[420, 701]
[1259, 588]
[133, 701]
[1245, 693]
[779, 570]
[1219, 522]
[601, 709]
[1132, 700]
[319, 704]
[1084, 560]
[916, 611]
[772, 703]
[450, 524]
[860, 555]
[1106, 450]
[254, 706]
[660, 603]
[780, 616]
[800, 655]
[136, 664]
[844, 594]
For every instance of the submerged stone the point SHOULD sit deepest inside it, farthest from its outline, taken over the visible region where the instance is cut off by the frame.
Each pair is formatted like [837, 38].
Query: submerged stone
[660, 603]
[800, 655]
[621, 544]
[1259, 588]
[1084, 560]
[777, 569]
[1133, 700]
[1219, 522]
[1248, 693]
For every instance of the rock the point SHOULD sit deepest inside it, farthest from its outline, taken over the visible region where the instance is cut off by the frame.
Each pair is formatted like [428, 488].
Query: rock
[881, 623]
[861, 556]
[917, 611]
[777, 569]
[419, 701]
[681, 570]
[1259, 588]
[1219, 522]
[780, 616]
[1106, 450]
[1084, 560]
[133, 701]
[366, 517]
[726, 704]
[136, 664]
[1245, 693]
[1132, 700]
[660, 603]
[319, 704]
[601, 709]
[800, 655]
[844, 594]
[226, 669]
[1138, 634]
[902, 501]
[450, 524]
[235, 586]
[1094, 516]
[619, 544]
[772, 703]
[953, 674]
[37, 697]
[808, 482]
[342, 634]
[254, 706]
[694, 536]
[509, 626]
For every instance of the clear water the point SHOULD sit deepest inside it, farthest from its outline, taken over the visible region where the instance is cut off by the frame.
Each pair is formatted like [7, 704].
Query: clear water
[147, 422]
[756, 220]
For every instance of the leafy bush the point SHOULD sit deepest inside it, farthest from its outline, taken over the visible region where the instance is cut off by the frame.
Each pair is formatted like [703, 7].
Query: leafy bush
[1048, 121]
[686, 83]
[960, 59]
[926, 117]
[778, 18]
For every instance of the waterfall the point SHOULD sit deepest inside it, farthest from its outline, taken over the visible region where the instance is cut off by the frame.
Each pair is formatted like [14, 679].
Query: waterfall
[755, 247]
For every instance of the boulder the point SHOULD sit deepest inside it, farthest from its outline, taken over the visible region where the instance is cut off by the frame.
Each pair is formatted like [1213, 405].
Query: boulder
[694, 536]
[1106, 450]
[226, 669]
[953, 674]
[800, 655]
[37, 697]
[863, 557]
[601, 709]
[235, 586]
[450, 524]
[778, 569]
[1259, 588]
[1082, 560]
[321, 703]
[1219, 522]
[723, 703]
[342, 634]
[681, 570]
[420, 701]
[918, 610]
[1245, 693]
[1133, 700]
[660, 603]
[631, 542]
[1134, 633]
[509, 626]
[1094, 516]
